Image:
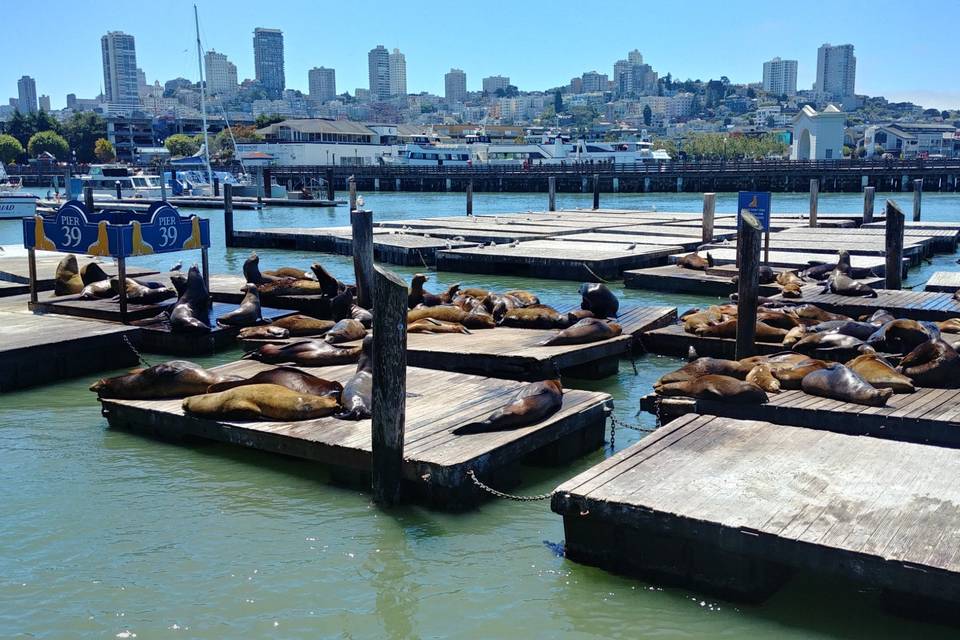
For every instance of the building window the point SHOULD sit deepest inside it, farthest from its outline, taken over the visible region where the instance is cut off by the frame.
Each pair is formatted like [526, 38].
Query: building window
[829, 154]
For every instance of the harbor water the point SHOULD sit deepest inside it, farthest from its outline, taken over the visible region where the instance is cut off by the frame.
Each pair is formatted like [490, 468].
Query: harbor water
[106, 534]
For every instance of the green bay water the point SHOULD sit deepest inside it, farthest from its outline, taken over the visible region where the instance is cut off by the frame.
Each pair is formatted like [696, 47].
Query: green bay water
[108, 534]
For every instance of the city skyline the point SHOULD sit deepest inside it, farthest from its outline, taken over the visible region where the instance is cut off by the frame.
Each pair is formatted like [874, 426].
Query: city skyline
[914, 70]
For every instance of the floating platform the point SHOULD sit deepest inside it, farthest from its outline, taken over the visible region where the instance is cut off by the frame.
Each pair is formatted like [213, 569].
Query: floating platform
[825, 249]
[674, 279]
[943, 282]
[16, 268]
[436, 461]
[160, 339]
[797, 260]
[915, 305]
[732, 507]
[226, 288]
[672, 340]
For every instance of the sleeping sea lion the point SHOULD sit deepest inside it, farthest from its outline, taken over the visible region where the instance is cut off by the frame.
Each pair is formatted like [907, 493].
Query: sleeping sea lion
[706, 366]
[138, 293]
[450, 313]
[879, 317]
[533, 317]
[762, 376]
[290, 287]
[836, 345]
[534, 403]
[357, 396]
[173, 379]
[599, 299]
[777, 319]
[305, 353]
[429, 325]
[525, 297]
[817, 270]
[346, 330]
[842, 383]
[92, 272]
[361, 315]
[794, 335]
[791, 377]
[716, 387]
[859, 330]
[880, 373]
[791, 290]
[419, 295]
[68, 280]
[248, 313]
[814, 312]
[328, 284]
[258, 402]
[584, 331]
[728, 329]
[289, 377]
[474, 292]
[102, 289]
[695, 262]
[932, 364]
[289, 272]
[191, 312]
[902, 336]
[263, 332]
[843, 285]
[498, 305]
[301, 325]
[949, 326]
[788, 277]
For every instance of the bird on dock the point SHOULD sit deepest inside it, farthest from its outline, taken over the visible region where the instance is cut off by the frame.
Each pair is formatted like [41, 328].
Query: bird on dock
[359, 202]
[177, 266]
[514, 243]
[631, 247]
[458, 239]
[492, 244]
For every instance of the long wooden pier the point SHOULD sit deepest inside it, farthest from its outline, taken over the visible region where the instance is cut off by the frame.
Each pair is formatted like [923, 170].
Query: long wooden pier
[915, 305]
[436, 461]
[732, 507]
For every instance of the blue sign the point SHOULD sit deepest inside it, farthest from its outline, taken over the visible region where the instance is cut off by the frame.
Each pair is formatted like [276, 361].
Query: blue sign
[72, 229]
[757, 203]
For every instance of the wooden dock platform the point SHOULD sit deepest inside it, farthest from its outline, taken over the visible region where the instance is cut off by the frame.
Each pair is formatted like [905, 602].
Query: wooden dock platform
[915, 305]
[732, 507]
[672, 340]
[796, 260]
[436, 461]
[943, 282]
[160, 339]
[15, 268]
[674, 279]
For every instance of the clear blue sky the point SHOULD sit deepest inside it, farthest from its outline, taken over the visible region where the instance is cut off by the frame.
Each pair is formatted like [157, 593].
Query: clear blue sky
[538, 44]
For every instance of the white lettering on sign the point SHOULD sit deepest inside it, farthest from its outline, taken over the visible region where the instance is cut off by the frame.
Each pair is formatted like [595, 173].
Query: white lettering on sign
[168, 236]
[72, 236]
[72, 220]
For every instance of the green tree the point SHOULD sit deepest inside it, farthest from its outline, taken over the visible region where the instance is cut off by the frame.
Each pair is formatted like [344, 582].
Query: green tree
[50, 141]
[82, 131]
[10, 148]
[263, 120]
[667, 145]
[103, 149]
[557, 102]
[20, 127]
[43, 121]
[647, 115]
[180, 144]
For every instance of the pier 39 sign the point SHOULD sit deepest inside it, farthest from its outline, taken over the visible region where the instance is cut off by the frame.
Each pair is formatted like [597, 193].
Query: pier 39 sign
[161, 229]
[756, 203]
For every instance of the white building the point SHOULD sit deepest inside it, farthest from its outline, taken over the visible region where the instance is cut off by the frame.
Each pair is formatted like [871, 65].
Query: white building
[765, 113]
[27, 90]
[221, 74]
[455, 85]
[780, 77]
[836, 72]
[120, 84]
[378, 73]
[492, 83]
[323, 84]
[593, 81]
[680, 106]
[818, 135]
[398, 73]
[910, 140]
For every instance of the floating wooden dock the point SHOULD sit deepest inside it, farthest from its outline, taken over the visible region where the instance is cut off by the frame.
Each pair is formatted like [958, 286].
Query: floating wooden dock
[943, 282]
[797, 260]
[160, 339]
[674, 279]
[672, 340]
[915, 305]
[226, 288]
[15, 268]
[731, 507]
[436, 461]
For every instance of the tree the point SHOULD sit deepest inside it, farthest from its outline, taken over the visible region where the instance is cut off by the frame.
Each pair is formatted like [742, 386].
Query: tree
[10, 148]
[103, 149]
[20, 127]
[49, 141]
[667, 145]
[557, 102]
[82, 131]
[647, 115]
[263, 120]
[771, 122]
[944, 114]
[180, 144]
[751, 93]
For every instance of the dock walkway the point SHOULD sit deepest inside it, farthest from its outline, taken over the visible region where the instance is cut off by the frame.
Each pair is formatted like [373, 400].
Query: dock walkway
[943, 282]
[915, 305]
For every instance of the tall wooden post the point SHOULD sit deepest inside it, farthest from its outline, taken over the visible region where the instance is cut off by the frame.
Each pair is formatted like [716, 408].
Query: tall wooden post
[917, 196]
[894, 246]
[122, 285]
[67, 188]
[331, 192]
[352, 186]
[119, 190]
[228, 213]
[205, 266]
[709, 208]
[32, 267]
[748, 254]
[868, 196]
[88, 198]
[267, 184]
[389, 385]
[552, 193]
[596, 191]
[216, 187]
[260, 186]
[814, 199]
[163, 189]
[470, 197]
[361, 223]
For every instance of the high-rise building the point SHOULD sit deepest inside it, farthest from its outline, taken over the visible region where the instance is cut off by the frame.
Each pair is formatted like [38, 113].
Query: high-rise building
[593, 81]
[268, 60]
[836, 72]
[27, 90]
[455, 85]
[780, 76]
[378, 65]
[492, 83]
[45, 103]
[221, 74]
[71, 101]
[576, 85]
[141, 78]
[398, 73]
[120, 84]
[635, 57]
[323, 84]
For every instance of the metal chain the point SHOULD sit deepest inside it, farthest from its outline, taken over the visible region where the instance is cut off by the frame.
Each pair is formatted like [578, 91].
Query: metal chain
[508, 496]
[587, 267]
[139, 355]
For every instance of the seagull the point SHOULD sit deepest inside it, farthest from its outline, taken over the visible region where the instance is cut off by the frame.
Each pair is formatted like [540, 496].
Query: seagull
[359, 202]
[458, 239]
[177, 266]
[514, 243]
[632, 247]
[426, 235]
[492, 244]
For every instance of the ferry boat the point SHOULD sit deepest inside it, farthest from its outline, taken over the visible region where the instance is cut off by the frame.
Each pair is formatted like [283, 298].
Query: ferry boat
[104, 178]
[13, 202]
[425, 154]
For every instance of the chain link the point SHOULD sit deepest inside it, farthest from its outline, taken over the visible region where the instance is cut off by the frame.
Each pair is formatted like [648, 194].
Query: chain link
[139, 355]
[508, 496]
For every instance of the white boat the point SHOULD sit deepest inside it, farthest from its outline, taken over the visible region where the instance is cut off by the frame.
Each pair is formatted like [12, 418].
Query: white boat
[13, 202]
[104, 178]
[431, 155]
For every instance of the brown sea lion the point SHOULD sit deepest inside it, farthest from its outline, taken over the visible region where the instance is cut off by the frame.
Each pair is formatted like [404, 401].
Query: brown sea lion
[791, 290]
[179, 282]
[816, 313]
[949, 326]
[777, 319]
[706, 366]
[789, 277]
[498, 305]
[901, 336]
[328, 284]
[173, 379]
[259, 402]
[533, 317]
[305, 353]
[92, 272]
[794, 335]
[289, 272]
[346, 330]
[68, 281]
[728, 329]
[843, 285]
[599, 299]
[716, 387]
[791, 377]
[447, 296]
[584, 331]
[577, 315]
[841, 383]
[290, 287]
[300, 325]
[450, 313]
[248, 313]
[534, 403]
[140, 294]
[102, 289]
[419, 295]
[429, 325]
[525, 297]
[191, 312]
[361, 315]
[357, 396]
[710, 315]
[834, 345]
[474, 292]
[762, 376]
[289, 377]
[695, 262]
[880, 373]
[264, 332]
[251, 271]
[932, 364]
[879, 317]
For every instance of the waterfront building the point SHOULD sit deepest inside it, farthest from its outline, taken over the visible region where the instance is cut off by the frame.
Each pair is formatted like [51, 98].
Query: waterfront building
[910, 140]
[45, 103]
[268, 60]
[378, 67]
[455, 85]
[398, 73]
[765, 113]
[680, 106]
[836, 72]
[492, 83]
[27, 91]
[322, 83]
[780, 77]
[120, 83]
[221, 74]
[818, 135]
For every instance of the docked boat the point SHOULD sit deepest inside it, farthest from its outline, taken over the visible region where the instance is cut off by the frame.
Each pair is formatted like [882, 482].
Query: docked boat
[103, 178]
[13, 202]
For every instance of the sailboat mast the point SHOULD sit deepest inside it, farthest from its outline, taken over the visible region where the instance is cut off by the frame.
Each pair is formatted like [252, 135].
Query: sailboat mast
[203, 101]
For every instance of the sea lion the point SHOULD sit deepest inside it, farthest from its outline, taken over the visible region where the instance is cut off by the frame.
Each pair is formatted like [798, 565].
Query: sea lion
[525, 297]
[599, 299]
[248, 313]
[102, 289]
[450, 313]
[474, 292]
[837, 345]
[357, 396]
[789, 277]
[263, 332]
[419, 295]
[92, 272]
[777, 319]
[191, 312]
[341, 304]
[901, 336]
[258, 402]
[251, 270]
[498, 305]
[695, 262]
[817, 270]
[794, 335]
[447, 296]
[766, 275]
[534, 403]
[584, 331]
[533, 317]
[346, 330]
[173, 379]
[305, 353]
[790, 377]
[839, 382]
[289, 377]
[429, 325]
[859, 330]
[814, 312]
[179, 282]
[791, 290]
[880, 373]
[328, 284]
[728, 329]
[289, 272]
[290, 287]
[716, 387]
[762, 376]
[68, 281]
[138, 293]
[949, 326]
[879, 317]
[706, 366]
[301, 325]
[932, 364]
[843, 285]
[361, 315]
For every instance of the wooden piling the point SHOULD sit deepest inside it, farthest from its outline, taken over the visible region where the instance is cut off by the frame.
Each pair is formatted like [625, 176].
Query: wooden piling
[814, 200]
[352, 187]
[67, 189]
[32, 266]
[163, 188]
[917, 196]
[596, 191]
[228, 214]
[552, 193]
[267, 183]
[748, 254]
[119, 191]
[470, 197]
[868, 196]
[88, 198]
[389, 385]
[361, 223]
[894, 246]
[330, 190]
[122, 278]
[216, 187]
[709, 208]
